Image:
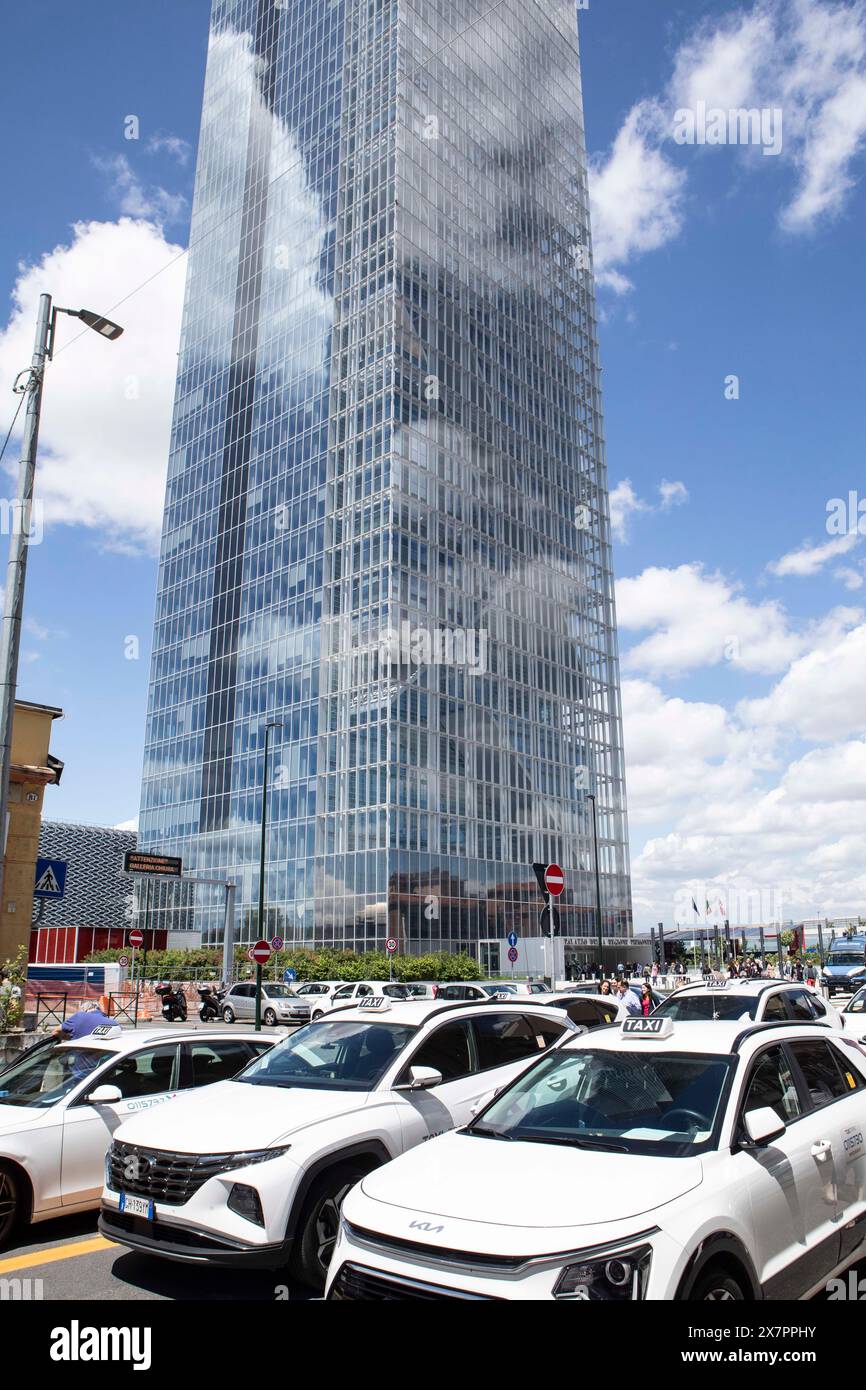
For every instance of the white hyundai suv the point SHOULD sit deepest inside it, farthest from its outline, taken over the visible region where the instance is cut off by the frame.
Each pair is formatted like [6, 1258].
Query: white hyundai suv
[256, 1175]
[656, 1160]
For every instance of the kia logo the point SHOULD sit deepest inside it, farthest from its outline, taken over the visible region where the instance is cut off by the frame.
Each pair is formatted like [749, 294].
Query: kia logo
[425, 1226]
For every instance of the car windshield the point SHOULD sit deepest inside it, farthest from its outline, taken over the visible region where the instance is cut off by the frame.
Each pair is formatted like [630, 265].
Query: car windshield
[278, 992]
[715, 1004]
[499, 989]
[857, 1004]
[46, 1076]
[622, 1102]
[847, 958]
[331, 1055]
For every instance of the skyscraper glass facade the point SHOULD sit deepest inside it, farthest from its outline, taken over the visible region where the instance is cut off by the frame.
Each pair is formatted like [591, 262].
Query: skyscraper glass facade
[386, 526]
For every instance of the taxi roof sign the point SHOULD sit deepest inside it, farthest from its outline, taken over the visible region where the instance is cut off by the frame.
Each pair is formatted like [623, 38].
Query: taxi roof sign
[380, 1002]
[661, 1027]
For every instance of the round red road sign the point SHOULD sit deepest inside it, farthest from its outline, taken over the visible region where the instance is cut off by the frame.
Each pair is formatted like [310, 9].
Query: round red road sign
[123, 960]
[260, 953]
[391, 945]
[554, 880]
[136, 938]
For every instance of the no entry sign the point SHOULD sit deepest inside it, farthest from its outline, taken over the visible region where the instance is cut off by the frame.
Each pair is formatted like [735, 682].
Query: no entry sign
[554, 880]
[136, 938]
[260, 953]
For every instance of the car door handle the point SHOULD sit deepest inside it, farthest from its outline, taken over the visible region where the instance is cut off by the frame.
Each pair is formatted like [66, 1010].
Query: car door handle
[821, 1150]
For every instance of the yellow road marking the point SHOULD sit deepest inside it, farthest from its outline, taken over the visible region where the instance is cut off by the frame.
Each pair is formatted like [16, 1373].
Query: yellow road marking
[59, 1252]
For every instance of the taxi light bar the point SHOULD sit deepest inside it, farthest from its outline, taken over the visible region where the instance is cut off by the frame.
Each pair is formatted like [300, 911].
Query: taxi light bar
[661, 1027]
[380, 1002]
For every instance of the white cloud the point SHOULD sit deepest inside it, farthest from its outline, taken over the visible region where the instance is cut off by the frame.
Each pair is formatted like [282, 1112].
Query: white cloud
[698, 619]
[134, 199]
[809, 559]
[803, 57]
[127, 824]
[624, 502]
[672, 494]
[104, 439]
[636, 196]
[173, 145]
[821, 696]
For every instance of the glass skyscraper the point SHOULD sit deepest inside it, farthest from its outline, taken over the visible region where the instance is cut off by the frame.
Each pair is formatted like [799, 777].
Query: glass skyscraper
[386, 525]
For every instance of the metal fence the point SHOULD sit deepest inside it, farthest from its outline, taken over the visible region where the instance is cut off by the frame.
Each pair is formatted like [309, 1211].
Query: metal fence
[51, 1008]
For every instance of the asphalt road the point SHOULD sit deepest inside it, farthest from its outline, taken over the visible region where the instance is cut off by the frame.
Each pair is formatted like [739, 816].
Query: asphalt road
[75, 1263]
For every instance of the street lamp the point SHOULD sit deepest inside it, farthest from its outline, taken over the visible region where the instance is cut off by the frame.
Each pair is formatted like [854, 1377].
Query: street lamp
[30, 383]
[272, 724]
[590, 796]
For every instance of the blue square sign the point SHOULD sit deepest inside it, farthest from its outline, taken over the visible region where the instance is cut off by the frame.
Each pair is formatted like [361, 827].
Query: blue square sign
[50, 878]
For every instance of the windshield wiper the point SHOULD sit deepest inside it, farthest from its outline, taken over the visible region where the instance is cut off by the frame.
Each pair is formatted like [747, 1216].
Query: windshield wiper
[486, 1133]
[608, 1145]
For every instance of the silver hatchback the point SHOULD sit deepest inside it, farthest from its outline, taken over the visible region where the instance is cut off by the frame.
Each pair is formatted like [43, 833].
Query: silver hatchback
[279, 1004]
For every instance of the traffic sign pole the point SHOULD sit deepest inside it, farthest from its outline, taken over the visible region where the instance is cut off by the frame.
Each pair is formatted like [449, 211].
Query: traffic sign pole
[258, 997]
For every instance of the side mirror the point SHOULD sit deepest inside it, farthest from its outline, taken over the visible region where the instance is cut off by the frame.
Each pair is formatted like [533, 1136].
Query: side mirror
[763, 1125]
[105, 1095]
[421, 1079]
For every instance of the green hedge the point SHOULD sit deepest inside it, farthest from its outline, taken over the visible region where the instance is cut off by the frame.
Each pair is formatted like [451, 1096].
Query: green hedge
[309, 965]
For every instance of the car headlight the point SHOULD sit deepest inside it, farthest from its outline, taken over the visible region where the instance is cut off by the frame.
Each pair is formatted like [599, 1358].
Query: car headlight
[223, 1163]
[614, 1278]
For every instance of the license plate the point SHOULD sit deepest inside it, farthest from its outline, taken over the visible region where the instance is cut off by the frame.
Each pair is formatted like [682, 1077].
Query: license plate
[136, 1206]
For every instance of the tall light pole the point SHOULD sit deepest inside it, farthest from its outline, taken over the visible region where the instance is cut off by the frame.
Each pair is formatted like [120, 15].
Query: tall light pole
[272, 724]
[28, 383]
[591, 798]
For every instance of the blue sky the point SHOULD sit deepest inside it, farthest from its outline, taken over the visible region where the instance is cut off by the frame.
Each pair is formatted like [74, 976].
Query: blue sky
[744, 712]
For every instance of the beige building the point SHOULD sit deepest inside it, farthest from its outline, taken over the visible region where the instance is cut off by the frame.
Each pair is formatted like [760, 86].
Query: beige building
[33, 769]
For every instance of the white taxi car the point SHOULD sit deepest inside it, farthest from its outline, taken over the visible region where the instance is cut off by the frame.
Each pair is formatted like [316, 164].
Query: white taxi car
[743, 1000]
[656, 1160]
[853, 1015]
[255, 1172]
[344, 995]
[61, 1101]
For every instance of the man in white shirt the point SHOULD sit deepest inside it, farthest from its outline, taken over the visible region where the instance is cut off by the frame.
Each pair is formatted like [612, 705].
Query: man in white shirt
[628, 997]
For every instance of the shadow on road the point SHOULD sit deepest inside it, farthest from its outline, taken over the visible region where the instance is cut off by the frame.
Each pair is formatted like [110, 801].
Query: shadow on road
[180, 1282]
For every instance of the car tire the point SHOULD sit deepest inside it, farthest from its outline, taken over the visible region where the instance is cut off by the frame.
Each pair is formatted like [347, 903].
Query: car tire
[269, 1018]
[717, 1285]
[317, 1014]
[228, 1015]
[11, 1202]
[319, 1223]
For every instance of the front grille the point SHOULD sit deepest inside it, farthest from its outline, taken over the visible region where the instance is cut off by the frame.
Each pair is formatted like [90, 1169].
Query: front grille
[396, 1245]
[171, 1178]
[354, 1283]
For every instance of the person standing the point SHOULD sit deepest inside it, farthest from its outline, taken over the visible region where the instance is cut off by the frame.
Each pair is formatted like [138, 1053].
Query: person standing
[628, 998]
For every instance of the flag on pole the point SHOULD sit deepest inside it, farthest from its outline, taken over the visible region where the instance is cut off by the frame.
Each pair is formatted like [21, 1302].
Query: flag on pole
[695, 908]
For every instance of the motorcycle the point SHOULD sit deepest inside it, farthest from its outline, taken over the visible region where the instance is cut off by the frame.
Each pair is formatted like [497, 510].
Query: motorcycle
[173, 1003]
[211, 1002]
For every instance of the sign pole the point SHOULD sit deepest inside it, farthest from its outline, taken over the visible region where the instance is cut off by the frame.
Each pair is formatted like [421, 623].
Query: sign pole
[258, 997]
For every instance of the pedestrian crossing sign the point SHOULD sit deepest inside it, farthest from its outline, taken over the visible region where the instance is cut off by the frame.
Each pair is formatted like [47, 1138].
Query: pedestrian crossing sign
[50, 878]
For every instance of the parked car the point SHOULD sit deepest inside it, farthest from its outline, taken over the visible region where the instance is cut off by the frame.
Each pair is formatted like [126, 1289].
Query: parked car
[356, 990]
[773, 1000]
[697, 1162]
[257, 1175]
[61, 1103]
[279, 1004]
[853, 1015]
[423, 989]
[468, 990]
